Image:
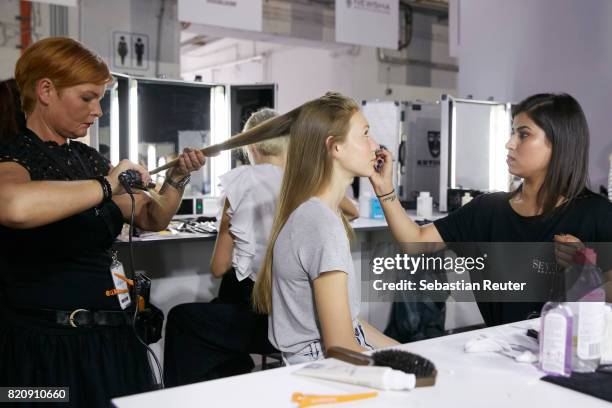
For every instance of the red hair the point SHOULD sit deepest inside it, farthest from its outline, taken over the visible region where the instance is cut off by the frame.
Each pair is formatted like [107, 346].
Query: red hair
[66, 62]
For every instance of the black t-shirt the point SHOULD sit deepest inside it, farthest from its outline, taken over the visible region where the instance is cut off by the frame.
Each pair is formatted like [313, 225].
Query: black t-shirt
[66, 264]
[489, 218]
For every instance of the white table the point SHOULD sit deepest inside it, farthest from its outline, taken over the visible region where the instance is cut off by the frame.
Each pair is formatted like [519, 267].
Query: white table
[464, 380]
[359, 224]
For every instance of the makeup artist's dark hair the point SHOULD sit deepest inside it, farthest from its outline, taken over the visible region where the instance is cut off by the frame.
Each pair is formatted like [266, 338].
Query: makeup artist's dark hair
[561, 118]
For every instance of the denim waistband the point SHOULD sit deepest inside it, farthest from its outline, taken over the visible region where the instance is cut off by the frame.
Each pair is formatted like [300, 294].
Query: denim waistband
[314, 351]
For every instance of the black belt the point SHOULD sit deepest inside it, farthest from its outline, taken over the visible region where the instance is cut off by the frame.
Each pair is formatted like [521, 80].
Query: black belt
[81, 317]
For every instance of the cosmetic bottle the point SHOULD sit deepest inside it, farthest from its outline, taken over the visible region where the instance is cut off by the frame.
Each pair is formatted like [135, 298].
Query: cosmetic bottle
[383, 378]
[365, 204]
[606, 344]
[424, 205]
[587, 303]
[556, 339]
[376, 211]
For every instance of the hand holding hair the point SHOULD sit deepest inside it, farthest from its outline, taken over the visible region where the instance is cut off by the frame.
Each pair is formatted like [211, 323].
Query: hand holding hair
[270, 129]
[188, 161]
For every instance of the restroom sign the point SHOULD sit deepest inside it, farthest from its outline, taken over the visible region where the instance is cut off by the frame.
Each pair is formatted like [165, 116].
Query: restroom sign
[130, 51]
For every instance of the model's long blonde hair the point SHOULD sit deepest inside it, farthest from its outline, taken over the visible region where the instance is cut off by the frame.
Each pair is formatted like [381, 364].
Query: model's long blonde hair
[308, 169]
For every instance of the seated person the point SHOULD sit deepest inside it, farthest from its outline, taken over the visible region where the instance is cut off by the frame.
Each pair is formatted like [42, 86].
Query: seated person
[307, 283]
[205, 341]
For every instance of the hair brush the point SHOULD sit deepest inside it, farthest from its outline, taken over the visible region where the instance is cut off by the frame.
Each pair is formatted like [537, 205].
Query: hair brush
[423, 369]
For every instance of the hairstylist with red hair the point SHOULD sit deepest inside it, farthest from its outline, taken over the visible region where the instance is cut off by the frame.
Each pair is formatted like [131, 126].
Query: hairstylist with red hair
[61, 208]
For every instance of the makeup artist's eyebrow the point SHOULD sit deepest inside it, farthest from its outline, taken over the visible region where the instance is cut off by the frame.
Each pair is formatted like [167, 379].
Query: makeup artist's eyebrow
[92, 93]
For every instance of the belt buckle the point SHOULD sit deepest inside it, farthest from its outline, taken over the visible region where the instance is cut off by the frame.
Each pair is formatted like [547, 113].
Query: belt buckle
[71, 317]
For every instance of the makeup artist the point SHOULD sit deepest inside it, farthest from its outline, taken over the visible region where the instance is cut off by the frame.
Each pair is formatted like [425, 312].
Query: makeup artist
[548, 149]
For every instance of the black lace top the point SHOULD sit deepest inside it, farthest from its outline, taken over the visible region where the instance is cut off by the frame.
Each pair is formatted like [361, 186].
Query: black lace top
[22, 150]
[63, 265]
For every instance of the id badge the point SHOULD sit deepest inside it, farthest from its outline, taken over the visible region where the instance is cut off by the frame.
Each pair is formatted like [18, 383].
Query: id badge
[116, 271]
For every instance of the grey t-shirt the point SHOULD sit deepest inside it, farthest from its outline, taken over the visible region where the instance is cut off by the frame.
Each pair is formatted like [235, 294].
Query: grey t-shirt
[312, 241]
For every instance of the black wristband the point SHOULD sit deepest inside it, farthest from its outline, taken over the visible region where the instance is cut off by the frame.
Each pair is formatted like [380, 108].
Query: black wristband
[384, 195]
[107, 190]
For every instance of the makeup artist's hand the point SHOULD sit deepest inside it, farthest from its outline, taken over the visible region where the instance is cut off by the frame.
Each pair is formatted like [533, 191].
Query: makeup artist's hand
[113, 175]
[565, 247]
[382, 181]
[188, 161]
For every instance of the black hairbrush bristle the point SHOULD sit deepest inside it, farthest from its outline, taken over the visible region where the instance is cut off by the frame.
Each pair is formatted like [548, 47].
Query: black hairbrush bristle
[422, 368]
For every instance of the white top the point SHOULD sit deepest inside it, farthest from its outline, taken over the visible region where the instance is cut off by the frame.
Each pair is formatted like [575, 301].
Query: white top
[252, 193]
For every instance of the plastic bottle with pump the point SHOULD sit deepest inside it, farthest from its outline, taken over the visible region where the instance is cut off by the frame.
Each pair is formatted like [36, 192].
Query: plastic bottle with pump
[556, 339]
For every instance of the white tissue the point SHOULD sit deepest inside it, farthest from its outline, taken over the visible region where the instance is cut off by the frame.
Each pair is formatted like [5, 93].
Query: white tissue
[485, 343]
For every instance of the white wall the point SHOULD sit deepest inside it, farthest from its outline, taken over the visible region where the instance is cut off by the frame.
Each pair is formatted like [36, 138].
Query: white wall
[306, 73]
[303, 74]
[512, 49]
